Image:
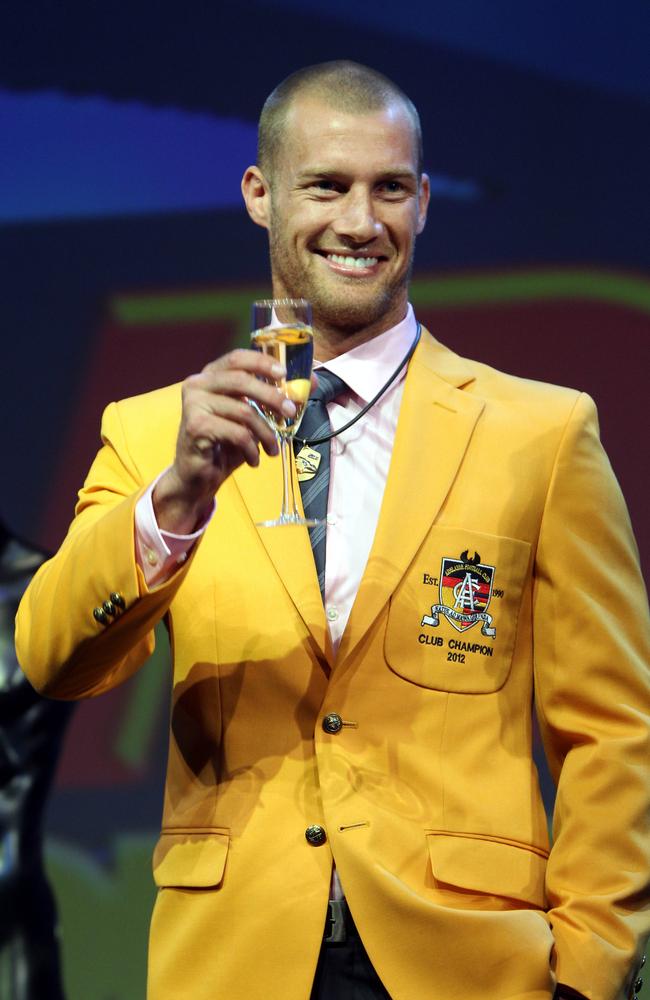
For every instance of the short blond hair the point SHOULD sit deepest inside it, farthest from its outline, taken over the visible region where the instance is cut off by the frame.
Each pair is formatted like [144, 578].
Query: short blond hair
[342, 84]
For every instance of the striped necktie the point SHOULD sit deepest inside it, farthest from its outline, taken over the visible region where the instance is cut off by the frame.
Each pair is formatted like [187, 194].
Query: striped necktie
[315, 424]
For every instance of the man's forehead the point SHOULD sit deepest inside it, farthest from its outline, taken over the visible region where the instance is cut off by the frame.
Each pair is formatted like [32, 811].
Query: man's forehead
[310, 111]
[317, 130]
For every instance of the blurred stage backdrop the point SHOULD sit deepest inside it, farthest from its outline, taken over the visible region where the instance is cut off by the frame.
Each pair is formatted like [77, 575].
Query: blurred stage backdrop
[128, 262]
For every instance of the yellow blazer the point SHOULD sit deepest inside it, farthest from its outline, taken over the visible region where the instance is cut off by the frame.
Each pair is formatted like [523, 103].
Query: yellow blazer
[498, 490]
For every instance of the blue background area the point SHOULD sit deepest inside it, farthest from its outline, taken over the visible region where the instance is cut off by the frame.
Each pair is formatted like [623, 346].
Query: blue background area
[604, 45]
[67, 157]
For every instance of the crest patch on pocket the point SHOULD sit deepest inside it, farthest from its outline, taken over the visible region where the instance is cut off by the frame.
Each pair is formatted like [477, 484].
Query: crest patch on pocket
[465, 591]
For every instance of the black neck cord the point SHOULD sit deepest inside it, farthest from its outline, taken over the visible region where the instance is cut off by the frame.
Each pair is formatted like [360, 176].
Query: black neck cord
[405, 360]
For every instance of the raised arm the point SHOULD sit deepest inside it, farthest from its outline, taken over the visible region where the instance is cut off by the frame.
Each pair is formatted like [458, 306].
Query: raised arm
[86, 622]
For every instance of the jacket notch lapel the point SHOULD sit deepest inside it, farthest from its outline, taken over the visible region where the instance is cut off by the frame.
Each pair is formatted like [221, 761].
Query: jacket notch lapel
[436, 423]
[287, 547]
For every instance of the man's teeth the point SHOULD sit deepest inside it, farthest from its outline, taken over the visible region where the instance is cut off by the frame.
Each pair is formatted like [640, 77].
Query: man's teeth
[358, 262]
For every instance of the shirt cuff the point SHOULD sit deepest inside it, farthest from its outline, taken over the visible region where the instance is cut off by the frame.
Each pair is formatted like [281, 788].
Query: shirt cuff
[159, 553]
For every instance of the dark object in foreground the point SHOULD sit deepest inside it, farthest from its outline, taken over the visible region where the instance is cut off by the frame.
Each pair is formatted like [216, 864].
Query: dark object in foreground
[31, 731]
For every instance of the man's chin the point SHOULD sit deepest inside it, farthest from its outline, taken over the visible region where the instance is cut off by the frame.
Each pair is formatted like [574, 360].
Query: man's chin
[349, 314]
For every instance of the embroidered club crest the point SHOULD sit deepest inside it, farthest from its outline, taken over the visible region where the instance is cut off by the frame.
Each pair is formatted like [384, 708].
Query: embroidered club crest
[465, 590]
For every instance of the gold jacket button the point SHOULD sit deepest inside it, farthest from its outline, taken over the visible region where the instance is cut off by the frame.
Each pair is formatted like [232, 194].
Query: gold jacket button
[100, 615]
[118, 601]
[109, 607]
[315, 835]
[333, 723]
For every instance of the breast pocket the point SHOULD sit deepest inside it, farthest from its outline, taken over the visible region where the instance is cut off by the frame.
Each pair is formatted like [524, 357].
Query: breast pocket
[453, 620]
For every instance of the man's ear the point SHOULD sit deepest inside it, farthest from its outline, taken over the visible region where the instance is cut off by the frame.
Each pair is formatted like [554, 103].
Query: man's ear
[423, 202]
[257, 196]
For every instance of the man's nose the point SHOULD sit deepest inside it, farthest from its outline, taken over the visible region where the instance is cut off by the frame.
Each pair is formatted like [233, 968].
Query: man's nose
[357, 218]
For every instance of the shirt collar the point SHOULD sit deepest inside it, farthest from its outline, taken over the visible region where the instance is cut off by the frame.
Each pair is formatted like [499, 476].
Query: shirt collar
[366, 368]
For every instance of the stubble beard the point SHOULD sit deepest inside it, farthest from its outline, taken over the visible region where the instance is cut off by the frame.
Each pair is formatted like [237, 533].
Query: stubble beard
[343, 312]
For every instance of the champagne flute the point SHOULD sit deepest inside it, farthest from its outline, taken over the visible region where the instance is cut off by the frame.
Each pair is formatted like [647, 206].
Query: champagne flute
[282, 329]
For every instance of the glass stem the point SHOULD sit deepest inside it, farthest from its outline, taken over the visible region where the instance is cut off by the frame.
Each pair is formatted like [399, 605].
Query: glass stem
[288, 496]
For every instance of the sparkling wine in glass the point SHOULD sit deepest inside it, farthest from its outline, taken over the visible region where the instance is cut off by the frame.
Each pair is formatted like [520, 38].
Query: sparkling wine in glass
[282, 329]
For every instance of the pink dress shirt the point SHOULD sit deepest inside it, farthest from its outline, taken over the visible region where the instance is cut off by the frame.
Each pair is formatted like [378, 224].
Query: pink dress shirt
[359, 461]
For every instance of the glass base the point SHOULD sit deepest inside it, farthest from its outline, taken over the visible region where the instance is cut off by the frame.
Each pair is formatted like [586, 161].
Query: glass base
[285, 519]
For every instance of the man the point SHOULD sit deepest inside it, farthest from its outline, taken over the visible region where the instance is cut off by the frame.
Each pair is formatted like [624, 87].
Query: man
[359, 743]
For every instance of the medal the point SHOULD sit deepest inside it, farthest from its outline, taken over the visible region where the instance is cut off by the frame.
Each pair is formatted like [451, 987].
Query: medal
[307, 462]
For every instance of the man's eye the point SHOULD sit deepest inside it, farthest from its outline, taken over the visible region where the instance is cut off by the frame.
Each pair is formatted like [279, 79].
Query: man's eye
[393, 187]
[324, 185]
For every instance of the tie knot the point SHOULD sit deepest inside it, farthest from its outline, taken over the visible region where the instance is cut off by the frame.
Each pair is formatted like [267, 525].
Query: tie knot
[329, 386]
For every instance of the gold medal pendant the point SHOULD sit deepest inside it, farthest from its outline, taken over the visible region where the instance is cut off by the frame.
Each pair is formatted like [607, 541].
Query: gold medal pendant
[307, 462]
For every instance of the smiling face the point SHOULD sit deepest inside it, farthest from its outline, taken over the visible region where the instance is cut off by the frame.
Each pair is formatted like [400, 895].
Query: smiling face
[343, 208]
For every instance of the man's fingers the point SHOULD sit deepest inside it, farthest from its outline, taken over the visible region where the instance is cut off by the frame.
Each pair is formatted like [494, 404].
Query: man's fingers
[244, 360]
[215, 420]
[239, 385]
[223, 421]
[251, 374]
[208, 407]
[221, 436]
[207, 448]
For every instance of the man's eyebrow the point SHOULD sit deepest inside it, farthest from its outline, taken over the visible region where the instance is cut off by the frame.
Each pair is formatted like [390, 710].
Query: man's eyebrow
[399, 174]
[323, 172]
[331, 173]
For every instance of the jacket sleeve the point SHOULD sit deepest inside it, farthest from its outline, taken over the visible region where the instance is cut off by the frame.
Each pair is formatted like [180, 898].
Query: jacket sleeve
[592, 657]
[63, 648]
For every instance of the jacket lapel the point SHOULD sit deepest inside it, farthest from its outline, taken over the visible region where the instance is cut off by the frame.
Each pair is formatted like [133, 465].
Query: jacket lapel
[288, 547]
[436, 422]
[435, 425]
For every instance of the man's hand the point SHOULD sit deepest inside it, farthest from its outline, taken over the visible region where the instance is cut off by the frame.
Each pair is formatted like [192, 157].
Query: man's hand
[219, 431]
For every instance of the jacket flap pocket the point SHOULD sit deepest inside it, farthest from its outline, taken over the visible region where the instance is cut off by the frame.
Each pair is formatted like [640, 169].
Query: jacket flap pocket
[495, 867]
[191, 859]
